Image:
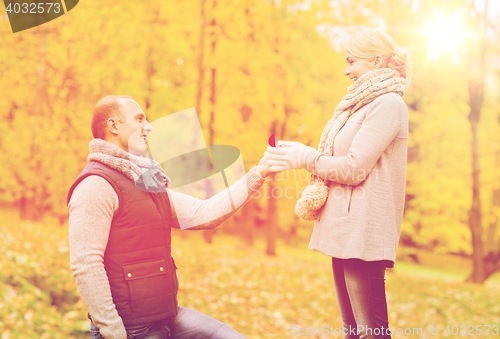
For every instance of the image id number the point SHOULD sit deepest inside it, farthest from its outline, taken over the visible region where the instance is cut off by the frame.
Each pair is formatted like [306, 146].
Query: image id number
[471, 329]
[34, 8]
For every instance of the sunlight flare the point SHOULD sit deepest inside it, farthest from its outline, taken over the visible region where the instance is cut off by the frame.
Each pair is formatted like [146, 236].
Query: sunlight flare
[446, 35]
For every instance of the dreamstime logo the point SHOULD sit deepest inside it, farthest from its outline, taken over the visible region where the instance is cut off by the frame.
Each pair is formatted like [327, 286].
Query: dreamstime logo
[25, 14]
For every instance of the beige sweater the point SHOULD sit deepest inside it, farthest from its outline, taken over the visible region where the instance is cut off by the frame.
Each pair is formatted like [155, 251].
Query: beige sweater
[367, 176]
[91, 210]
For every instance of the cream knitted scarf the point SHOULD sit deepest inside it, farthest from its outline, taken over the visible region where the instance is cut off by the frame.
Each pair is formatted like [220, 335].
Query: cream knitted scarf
[366, 89]
[147, 174]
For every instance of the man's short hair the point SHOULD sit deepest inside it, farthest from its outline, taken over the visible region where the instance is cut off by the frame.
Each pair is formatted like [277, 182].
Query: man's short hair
[107, 107]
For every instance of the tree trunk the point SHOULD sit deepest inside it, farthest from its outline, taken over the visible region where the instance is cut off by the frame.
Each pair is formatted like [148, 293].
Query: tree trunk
[31, 208]
[213, 73]
[491, 247]
[475, 219]
[476, 97]
[272, 220]
[201, 63]
[150, 71]
[291, 235]
[207, 235]
[41, 72]
[246, 227]
[150, 65]
[213, 88]
[272, 215]
[28, 209]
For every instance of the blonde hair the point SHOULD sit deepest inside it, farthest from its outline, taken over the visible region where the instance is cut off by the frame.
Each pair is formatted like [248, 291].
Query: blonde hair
[369, 43]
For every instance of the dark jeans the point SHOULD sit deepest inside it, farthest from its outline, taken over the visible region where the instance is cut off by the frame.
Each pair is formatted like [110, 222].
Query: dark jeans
[360, 289]
[188, 324]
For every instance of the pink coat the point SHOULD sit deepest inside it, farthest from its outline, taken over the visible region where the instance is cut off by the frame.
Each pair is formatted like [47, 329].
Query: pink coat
[367, 176]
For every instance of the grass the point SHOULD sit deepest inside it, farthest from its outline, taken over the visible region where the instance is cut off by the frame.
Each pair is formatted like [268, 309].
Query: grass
[444, 267]
[296, 289]
[433, 266]
[258, 295]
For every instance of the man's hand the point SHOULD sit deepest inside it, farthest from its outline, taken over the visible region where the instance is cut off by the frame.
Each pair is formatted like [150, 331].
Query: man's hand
[263, 169]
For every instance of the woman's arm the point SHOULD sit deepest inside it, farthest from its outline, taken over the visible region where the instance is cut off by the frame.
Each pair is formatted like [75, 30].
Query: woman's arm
[381, 125]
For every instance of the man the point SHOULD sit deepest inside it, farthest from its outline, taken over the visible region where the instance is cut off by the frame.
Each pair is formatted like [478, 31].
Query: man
[120, 216]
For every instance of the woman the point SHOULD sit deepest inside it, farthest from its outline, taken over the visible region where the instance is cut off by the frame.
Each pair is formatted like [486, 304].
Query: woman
[357, 190]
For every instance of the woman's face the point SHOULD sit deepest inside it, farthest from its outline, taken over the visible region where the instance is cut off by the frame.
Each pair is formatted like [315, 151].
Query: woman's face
[356, 67]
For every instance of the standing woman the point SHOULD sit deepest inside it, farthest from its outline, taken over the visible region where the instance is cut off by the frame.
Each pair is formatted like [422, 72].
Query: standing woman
[357, 190]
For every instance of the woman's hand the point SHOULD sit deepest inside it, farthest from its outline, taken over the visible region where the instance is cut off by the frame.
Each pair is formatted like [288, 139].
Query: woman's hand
[287, 156]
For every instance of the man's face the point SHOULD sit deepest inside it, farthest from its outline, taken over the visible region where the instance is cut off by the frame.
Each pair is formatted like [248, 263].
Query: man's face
[133, 128]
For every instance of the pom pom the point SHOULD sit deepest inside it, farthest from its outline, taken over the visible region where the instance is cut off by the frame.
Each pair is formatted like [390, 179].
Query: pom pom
[313, 199]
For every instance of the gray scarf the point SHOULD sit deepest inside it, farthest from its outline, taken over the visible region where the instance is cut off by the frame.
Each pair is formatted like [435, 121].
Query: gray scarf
[147, 174]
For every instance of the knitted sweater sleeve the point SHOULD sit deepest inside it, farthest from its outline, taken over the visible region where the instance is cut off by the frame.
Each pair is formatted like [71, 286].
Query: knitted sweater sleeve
[196, 214]
[91, 209]
[380, 127]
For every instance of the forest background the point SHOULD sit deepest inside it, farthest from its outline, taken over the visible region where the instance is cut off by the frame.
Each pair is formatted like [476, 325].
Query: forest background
[251, 68]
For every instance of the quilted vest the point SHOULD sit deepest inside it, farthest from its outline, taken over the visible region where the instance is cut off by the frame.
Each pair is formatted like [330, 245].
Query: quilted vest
[137, 259]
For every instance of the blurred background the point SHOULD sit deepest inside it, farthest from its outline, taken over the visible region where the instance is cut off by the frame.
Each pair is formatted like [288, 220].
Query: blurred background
[253, 68]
